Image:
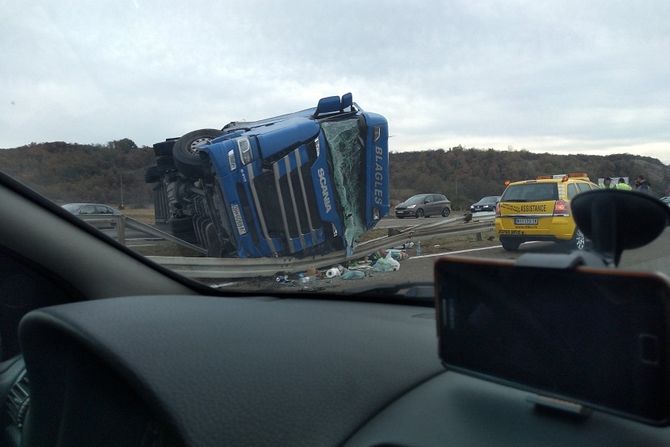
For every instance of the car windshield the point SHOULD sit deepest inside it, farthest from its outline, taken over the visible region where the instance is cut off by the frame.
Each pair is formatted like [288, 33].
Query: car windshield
[488, 200]
[532, 192]
[267, 148]
[416, 199]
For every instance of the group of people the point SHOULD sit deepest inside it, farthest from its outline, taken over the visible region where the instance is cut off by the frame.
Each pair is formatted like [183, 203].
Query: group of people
[641, 184]
[607, 184]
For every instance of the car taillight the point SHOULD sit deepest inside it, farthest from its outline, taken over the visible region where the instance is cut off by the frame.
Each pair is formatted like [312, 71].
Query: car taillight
[561, 208]
[498, 209]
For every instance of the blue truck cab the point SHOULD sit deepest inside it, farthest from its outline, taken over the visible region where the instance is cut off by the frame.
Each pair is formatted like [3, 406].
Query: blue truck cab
[304, 183]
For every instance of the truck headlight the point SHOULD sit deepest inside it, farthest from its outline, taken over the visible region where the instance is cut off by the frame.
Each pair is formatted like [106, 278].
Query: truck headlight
[316, 146]
[375, 214]
[244, 149]
[231, 160]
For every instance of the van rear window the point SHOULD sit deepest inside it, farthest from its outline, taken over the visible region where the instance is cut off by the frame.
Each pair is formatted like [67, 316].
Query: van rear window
[530, 192]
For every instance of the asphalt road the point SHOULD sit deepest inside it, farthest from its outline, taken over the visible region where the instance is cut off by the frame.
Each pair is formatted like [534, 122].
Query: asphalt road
[653, 257]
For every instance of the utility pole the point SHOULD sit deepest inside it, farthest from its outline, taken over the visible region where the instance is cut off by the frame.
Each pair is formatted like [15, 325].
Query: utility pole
[121, 182]
[456, 192]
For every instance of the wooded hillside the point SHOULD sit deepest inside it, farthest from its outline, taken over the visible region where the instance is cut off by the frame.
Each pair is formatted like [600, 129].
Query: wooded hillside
[466, 175]
[67, 172]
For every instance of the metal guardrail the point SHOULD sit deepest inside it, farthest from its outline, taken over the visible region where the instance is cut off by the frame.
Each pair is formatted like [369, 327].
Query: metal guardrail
[222, 268]
[122, 222]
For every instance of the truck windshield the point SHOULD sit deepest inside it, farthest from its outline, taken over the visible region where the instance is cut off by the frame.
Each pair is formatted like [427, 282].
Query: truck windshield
[346, 151]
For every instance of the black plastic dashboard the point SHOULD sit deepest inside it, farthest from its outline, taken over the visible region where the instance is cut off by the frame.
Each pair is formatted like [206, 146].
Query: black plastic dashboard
[206, 371]
[224, 371]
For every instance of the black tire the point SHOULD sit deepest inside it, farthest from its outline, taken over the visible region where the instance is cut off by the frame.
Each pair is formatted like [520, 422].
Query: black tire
[186, 155]
[153, 174]
[400, 217]
[165, 162]
[420, 213]
[446, 212]
[164, 147]
[510, 244]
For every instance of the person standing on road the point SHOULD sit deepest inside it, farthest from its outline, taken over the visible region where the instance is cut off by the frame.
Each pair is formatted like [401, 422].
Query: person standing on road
[642, 185]
[607, 183]
[623, 185]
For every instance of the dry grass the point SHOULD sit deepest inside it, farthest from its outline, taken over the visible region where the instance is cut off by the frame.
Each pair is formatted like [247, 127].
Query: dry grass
[161, 248]
[144, 215]
[460, 242]
[372, 234]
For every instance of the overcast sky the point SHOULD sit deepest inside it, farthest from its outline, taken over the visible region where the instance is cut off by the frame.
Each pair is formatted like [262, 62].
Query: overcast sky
[566, 76]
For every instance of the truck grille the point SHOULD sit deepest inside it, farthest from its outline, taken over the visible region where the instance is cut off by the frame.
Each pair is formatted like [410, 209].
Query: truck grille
[289, 202]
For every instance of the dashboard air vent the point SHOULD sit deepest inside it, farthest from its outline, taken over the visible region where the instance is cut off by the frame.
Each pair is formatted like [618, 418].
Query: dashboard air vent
[18, 400]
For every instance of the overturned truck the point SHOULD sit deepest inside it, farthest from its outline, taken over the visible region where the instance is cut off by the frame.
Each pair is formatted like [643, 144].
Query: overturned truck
[304, 183]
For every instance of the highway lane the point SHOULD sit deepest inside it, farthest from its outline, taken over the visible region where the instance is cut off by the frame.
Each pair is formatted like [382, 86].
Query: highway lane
[653, 257]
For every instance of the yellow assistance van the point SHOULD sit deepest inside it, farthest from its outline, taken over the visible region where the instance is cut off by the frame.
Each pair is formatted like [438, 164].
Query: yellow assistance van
[539, 210]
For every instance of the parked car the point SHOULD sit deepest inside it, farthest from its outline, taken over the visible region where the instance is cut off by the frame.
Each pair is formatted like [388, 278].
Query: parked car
[424, 205]
[487, 203]
[91, 208]
[95, 209]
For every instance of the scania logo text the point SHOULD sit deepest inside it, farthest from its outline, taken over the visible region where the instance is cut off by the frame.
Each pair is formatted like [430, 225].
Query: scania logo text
[324, 189]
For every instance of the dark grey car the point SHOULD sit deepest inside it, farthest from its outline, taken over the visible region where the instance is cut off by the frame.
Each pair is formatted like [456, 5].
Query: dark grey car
[424, 205]
[95, 209]
[487, 203]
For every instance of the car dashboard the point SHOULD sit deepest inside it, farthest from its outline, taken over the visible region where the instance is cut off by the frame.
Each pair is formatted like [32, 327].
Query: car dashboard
[209, 371]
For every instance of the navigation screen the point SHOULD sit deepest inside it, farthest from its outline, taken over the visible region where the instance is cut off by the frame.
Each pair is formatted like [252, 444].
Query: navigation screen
[591, 336]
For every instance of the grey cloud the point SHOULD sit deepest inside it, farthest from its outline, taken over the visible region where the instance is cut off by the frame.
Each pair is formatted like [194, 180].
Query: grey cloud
[521, 70]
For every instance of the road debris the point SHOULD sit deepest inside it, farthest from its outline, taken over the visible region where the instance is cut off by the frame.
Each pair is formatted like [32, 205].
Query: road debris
[353, 274]
[398, 255]
[387, 264]
[333, 272]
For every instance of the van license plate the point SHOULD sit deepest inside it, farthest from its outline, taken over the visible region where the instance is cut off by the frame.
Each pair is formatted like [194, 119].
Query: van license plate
[525, 221]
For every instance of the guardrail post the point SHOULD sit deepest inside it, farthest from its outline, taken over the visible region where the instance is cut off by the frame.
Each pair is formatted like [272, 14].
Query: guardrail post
[479, 236]
[121, 229]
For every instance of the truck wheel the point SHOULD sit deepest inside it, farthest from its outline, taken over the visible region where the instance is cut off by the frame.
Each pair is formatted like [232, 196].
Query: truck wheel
[446, 212]
[510, 244]
[164, 147]
[153, 174]
[186, 154]
[165, 162]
